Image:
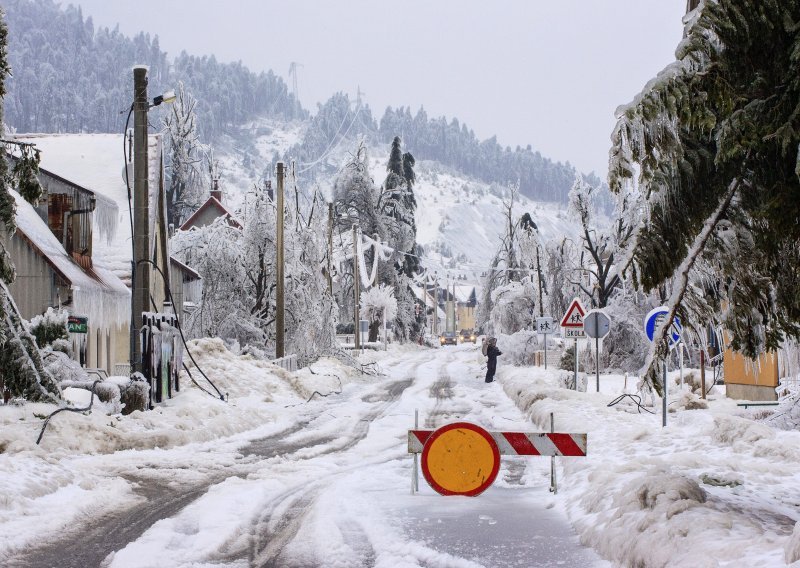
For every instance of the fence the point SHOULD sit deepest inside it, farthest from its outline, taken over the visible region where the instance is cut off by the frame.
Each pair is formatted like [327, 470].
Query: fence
[288, 363]
[122, 369]
[553, 358]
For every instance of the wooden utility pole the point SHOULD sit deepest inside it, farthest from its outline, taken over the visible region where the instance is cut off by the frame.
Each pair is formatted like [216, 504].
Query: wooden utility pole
[436, 305]
[425, 300]
[280, 339]
[703, 372]
[330, 248]
[356, 290]
[539, 277]
[140, 271]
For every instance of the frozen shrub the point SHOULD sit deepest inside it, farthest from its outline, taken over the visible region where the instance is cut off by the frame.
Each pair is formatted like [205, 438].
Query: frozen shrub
[49, 327]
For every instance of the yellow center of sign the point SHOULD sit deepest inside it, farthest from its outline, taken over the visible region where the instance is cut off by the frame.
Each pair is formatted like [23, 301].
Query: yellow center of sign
[460, 460]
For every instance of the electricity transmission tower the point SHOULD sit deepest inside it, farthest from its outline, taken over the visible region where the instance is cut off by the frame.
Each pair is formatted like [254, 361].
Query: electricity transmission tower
[293, 66]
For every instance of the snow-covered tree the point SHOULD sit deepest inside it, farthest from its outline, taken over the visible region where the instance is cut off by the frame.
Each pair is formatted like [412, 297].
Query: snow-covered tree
[378, 304]
[187, 183]
[601, 247]
[20, 362]
[714, 141]
[513, 307]
[239, 280]
[385, 215]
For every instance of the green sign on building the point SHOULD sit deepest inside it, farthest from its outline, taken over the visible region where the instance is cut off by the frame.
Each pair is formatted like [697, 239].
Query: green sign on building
[78, 324]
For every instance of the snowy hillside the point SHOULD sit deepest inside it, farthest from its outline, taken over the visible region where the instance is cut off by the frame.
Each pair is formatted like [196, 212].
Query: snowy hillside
[459, 219]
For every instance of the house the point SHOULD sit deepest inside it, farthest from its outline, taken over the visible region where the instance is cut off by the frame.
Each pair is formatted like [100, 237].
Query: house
[210, 211]
[93, 168]
[466, 303]
[49, 276]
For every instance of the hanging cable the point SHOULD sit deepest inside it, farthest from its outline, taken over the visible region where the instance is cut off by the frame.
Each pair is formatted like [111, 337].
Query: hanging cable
[331, 146]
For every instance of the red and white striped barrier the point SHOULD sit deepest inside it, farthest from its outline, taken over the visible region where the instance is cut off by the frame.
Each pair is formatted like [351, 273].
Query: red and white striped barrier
[518, 443]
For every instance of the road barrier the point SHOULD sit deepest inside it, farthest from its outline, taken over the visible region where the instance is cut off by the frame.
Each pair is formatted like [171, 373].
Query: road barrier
[463, 458]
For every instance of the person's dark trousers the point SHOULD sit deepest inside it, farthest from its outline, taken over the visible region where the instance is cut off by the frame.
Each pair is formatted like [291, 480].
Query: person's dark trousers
[491, 367]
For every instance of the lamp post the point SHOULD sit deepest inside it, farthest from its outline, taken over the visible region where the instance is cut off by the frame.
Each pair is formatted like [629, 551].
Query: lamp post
[140, 270]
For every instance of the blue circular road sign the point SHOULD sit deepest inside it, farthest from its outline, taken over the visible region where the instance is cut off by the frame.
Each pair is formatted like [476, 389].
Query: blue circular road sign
[653, 319]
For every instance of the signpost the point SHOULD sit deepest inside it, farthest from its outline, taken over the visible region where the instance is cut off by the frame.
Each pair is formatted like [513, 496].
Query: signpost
[652, 321]
[597, 325]
[572, 323]
[544, 326]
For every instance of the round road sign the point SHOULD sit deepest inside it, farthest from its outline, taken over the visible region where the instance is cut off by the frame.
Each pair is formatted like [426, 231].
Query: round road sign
[460, 459]
[654, 318]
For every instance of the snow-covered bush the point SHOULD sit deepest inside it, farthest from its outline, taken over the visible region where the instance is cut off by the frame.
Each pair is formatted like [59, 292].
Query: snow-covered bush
[49, 328]
[519, 348]
[566, 380]
[134, 394]
[61, 366]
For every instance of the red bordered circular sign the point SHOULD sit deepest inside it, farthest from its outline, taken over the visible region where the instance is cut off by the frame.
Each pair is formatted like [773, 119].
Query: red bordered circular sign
[460, 459]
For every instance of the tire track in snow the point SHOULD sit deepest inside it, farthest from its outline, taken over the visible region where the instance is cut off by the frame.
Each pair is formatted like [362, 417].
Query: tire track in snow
[284, 515]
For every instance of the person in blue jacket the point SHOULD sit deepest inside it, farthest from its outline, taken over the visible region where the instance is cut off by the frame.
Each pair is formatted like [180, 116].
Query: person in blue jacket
[492, 352]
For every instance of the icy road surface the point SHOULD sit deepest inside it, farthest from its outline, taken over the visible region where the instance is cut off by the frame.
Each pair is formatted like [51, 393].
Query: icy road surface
[329, 485]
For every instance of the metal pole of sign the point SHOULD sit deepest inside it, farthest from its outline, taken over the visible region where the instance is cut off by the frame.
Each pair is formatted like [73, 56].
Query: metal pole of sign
[553, 486]
[545, 350]
[415, 474]
[664, 399]
[576, 363]
[680, 358]
[597, 358]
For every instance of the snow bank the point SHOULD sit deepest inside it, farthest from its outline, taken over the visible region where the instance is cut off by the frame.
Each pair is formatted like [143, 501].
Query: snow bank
[711, 489]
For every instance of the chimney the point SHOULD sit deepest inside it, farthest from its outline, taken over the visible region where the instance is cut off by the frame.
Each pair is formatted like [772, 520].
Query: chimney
[216, 192]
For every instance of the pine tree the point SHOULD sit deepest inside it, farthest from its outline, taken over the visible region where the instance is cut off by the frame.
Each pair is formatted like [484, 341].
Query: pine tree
[715, 139]
[20, 362]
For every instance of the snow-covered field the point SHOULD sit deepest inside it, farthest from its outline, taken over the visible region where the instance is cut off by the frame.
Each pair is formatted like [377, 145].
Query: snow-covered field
[273, 478]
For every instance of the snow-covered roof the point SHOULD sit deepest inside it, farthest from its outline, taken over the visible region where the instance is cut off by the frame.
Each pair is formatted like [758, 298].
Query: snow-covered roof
[463, 292]
[211, 203]
[193, 274]
[96, 292]
[97, 162]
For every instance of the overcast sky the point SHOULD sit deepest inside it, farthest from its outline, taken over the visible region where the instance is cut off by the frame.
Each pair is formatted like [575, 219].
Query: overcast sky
[549, 73]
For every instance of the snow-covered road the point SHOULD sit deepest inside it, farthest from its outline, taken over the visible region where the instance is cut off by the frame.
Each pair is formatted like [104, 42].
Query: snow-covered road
[328, 484]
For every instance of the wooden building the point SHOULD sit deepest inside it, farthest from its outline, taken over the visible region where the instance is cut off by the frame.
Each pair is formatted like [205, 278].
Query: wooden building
[86, 210]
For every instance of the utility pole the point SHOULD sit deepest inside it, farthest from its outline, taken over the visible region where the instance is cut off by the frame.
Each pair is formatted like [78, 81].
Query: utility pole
[140, 271]
[539, 276]
[280, 340]
[435, 304]
[330, 248]
[356, 290]
[425, 301]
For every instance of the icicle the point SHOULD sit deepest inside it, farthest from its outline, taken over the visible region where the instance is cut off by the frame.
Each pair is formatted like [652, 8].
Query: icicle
[106, 219]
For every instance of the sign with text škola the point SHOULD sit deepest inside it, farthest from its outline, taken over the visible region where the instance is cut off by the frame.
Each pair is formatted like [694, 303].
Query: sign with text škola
[572, 322]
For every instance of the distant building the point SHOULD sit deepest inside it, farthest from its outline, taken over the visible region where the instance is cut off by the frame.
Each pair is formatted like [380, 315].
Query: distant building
[210, 211]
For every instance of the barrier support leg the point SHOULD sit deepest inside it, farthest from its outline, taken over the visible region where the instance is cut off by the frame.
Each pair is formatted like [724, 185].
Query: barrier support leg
[415, 473]
[553, 484]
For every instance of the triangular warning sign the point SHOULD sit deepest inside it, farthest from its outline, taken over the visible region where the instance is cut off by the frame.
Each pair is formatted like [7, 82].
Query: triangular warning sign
[574, 316]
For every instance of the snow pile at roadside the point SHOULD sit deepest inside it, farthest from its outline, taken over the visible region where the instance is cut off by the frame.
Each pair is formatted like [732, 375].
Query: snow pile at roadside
[256, 391]
[711, 489]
